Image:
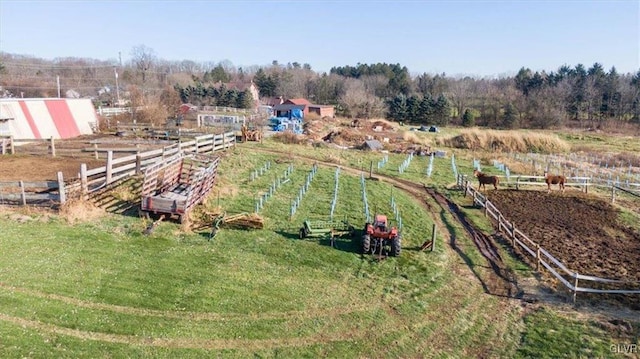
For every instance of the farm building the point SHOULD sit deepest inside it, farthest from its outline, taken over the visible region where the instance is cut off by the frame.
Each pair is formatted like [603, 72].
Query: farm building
[322, 110]
[306, 107]
[46, 117]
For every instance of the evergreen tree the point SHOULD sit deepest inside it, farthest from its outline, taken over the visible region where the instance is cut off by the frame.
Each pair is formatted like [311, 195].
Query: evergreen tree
[442, 111]
[468, 119]
[183, 92]
[509, 118]
[398, 108]
[244, 99]
[425, 109]
[413, 109]
[221, 99]
[522, 80]
[219, 74]
[230, 98]
[266, 84]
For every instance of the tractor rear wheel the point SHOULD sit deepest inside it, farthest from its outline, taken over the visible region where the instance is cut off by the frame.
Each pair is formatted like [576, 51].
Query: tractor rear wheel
[396, 246]
[366, 244]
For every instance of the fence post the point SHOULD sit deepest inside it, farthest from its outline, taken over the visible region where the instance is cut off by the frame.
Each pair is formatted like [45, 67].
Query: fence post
[513, 234]
[23, 197]
[138, 163]
[109, 170]
[196, 142]
[586, 186]
[575, 286]
[224, 145]
[53, 147]
[486, 206]
[4, 147]
[613, 193]
[84, 187]
[13, 150]
[61, 189]
[518, 183]
[95, 151]
[537, 257]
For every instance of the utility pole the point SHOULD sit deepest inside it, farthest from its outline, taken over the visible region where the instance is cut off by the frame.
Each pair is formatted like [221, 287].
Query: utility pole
[58, 82]
[115, 70]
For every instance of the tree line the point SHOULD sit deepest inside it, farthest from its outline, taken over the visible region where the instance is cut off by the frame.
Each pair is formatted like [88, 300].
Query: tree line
[571, 95]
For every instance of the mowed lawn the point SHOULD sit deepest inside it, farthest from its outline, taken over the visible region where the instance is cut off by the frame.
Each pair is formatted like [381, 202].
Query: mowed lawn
[101, 288]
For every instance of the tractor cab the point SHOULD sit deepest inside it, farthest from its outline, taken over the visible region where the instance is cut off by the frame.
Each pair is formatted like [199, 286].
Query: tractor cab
[380, 222]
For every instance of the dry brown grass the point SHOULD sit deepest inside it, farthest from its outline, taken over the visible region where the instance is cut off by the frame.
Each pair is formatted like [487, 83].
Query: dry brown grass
[312, 117]
[75, 211]
[386, 124]
[289, 138]
[348, 136]
[332, 159]
[129, 192]
[412, 137]
[506, 141]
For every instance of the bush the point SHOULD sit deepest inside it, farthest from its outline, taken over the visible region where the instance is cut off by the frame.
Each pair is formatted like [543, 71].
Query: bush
[289, 138]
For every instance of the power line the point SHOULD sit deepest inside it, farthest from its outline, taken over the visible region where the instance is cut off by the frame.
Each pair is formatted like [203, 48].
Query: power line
[49, 66]
[168, 71]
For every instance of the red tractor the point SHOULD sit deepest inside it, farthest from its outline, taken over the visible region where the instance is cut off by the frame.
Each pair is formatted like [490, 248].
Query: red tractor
[378, 237]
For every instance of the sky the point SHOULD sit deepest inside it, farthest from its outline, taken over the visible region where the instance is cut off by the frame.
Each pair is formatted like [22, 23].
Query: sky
[459, 38]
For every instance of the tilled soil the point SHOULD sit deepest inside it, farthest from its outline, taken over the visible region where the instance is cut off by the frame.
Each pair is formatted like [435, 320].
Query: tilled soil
[580, 230]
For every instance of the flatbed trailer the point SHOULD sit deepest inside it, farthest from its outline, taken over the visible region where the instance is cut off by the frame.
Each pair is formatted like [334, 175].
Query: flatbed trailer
[173, 187]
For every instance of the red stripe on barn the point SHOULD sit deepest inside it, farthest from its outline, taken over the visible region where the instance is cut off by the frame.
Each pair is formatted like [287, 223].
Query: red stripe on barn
[32, 123]
[62, 118]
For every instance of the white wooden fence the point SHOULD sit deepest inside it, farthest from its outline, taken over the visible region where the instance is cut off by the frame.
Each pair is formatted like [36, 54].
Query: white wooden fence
[7, 145]
[90, 181]
[524, 180]
[570, 279]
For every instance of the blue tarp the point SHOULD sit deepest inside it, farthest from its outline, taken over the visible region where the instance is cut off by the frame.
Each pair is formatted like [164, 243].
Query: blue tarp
[296, 113]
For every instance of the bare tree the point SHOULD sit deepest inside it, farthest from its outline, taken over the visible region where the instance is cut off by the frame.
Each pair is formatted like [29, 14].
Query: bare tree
[358, 102]
[294, 83]
[143, 58]
[459, 93]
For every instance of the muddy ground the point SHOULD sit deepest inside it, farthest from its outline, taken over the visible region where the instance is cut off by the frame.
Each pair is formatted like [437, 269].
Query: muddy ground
[42, 168]
[581, 230]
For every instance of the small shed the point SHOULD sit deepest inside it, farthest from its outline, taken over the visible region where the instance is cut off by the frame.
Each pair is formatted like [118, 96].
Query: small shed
[323, 110]
[372, 145]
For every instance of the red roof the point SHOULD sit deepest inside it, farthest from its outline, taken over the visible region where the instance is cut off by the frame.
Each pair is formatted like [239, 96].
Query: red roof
[298, 101]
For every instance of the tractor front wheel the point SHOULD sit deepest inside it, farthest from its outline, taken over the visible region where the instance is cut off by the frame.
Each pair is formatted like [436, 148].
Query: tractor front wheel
[366, 244]
[396, 246]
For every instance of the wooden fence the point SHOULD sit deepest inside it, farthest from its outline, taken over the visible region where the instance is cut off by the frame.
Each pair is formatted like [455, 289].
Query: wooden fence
[564, 275]
[6, 145]
[91, 181]
[518, 181]
[583, 183]
[35, 192]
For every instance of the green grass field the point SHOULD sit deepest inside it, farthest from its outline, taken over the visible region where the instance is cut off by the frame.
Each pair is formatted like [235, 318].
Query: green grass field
[101, 289]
